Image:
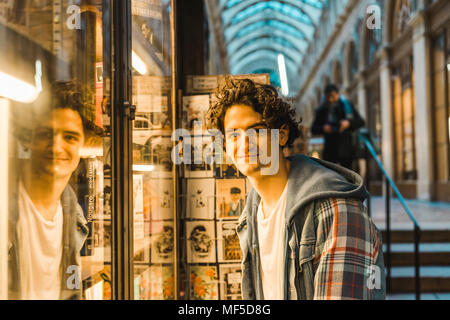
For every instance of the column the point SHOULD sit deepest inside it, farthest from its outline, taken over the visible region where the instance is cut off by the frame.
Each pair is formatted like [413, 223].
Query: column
[422, 91]
[362, 97]
[386, 114]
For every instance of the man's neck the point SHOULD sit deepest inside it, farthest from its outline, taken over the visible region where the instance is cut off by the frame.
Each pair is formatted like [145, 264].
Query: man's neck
[271, 187]
[44, 191]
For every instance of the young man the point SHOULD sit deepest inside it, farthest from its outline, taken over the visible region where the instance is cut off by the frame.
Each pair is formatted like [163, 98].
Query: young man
[47, 225]
[337, 119]
[304, 232]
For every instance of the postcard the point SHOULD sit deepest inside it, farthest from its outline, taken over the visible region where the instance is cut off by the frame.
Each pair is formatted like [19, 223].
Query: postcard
[230, 281]
[203, 283]
[196, 108]
[162, 244]
[201, 244]
[230, 198]
[200, 199]
[229, 249]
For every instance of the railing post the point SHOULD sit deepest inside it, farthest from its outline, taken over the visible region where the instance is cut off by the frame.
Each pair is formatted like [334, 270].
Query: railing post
[417, 261]
[388, 235]
[367, 181]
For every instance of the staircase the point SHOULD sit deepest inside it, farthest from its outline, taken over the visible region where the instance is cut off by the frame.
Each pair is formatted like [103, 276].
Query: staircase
[434, 264]
[432, 220]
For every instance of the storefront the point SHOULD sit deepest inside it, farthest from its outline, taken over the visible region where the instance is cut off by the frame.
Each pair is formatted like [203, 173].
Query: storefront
[440, 78]
[90, 96]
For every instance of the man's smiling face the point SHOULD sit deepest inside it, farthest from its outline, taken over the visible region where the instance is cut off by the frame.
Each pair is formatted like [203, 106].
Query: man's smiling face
[56, 144]
[243, 150]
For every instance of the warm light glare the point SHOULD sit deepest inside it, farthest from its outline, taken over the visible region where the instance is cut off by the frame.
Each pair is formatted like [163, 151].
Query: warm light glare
[17, 90]
[4, 196]
[138, 64]
[283, 75]
[142, 167]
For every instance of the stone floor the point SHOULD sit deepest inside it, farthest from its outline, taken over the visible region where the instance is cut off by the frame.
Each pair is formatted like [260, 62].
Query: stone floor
[430, 215]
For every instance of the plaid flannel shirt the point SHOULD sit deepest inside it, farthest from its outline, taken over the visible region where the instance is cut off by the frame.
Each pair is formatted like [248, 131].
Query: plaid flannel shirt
[347, 246]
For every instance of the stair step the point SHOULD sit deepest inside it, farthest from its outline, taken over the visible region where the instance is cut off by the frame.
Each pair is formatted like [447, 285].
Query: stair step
[425, 272]
[425, 258]
[432, 279]
[423, 247]
[407, 236]
[431, 254]
[423, 296]
[406, 285]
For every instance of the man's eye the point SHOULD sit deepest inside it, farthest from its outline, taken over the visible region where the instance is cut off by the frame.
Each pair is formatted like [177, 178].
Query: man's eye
[71, 138]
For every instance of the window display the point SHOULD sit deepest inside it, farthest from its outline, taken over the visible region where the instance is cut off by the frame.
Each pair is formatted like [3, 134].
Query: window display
[213, 197]
[58, 138]
[59, 208]
[153, 262]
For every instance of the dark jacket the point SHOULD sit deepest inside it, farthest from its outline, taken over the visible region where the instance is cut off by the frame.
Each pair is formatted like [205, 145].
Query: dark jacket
[332, 247]
[75, 231]
[338, 146]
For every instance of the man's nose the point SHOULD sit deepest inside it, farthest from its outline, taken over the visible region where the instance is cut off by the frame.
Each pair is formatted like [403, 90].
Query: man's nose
[57, 143]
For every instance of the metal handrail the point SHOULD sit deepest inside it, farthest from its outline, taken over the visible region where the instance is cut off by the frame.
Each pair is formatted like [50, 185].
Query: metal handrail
[365, 137]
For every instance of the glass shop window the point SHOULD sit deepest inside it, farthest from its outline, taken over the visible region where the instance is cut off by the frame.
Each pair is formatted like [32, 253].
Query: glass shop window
[55, 191]
[153, 184]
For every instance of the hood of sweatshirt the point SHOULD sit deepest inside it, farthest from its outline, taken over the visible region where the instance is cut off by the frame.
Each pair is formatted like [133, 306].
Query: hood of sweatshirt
[312, 179]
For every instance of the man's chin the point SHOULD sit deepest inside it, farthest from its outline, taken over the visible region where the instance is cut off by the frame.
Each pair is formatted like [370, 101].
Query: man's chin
[55, 171]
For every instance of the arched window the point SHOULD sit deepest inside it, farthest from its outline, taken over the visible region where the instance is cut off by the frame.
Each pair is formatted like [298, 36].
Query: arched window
[404, 119]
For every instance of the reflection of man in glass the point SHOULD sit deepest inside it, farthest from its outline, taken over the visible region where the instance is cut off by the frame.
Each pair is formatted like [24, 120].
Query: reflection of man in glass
[49, 226]
[237, 204]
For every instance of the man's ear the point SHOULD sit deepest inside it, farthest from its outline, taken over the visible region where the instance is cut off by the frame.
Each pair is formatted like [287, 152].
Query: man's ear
[284, 135]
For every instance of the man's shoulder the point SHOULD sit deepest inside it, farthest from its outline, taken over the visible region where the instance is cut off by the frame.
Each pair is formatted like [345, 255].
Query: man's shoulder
[332, 206]
[346, 216]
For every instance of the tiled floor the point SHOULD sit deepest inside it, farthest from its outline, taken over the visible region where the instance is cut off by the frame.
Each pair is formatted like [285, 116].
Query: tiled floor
[430, 215]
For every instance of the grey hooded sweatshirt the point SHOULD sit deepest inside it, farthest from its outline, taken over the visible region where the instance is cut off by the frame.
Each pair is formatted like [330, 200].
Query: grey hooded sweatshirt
[320, 194]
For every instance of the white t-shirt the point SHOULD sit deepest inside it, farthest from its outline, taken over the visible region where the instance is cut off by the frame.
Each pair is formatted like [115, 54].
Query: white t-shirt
[40, 251]
[271, 232]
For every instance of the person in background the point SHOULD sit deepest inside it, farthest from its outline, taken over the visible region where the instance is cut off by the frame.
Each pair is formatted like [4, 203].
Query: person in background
[304, 232]
[337, 120]
[47, 225]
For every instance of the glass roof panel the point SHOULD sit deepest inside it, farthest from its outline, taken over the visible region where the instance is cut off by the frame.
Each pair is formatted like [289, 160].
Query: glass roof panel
[271, 23]
[283, 8]
[288, 24]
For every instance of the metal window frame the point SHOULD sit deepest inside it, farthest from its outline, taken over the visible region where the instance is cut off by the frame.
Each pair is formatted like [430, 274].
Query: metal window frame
[121, 147]
[122, 156]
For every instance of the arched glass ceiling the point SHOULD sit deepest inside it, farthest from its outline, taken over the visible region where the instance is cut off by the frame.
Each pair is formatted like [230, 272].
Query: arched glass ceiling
[284, 8]
[257, 31]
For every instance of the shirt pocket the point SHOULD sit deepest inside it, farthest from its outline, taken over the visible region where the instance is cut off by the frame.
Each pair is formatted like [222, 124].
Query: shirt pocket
[306, 271]
[306, 252]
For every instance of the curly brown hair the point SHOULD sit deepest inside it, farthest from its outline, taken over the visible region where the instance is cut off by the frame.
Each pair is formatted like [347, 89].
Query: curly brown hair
[263, 98]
